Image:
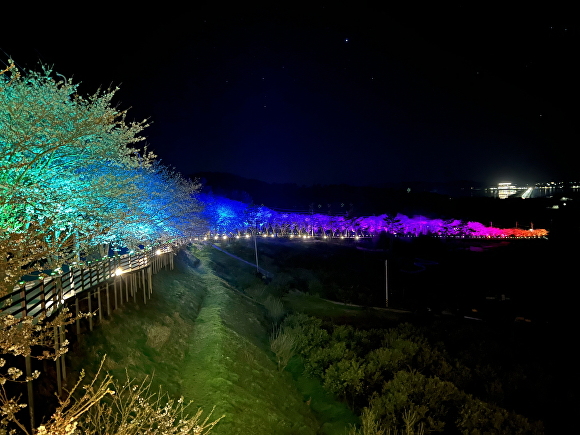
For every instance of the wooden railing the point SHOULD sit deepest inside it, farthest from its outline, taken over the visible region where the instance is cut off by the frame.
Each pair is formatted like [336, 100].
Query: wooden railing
[99, 287]
[44, 296]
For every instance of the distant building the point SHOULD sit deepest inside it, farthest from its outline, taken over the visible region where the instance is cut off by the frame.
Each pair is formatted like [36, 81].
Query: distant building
[505, 190]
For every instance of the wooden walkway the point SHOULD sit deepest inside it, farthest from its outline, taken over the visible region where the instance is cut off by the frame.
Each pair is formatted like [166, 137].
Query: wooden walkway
[98, 287]
[131, 271]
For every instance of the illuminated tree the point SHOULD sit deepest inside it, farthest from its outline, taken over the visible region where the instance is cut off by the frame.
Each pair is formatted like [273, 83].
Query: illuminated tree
[223, 215]
[66, 166]
[167, 207]
[70, 180]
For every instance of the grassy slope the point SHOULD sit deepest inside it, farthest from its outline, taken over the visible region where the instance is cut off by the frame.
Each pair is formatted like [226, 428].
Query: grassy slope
[333, 417]
[204, 340]
[146, 339]
[227, 366]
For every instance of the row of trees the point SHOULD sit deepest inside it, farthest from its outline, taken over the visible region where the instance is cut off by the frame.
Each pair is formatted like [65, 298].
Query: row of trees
[74, 184]
[227, 216]
[73, 179]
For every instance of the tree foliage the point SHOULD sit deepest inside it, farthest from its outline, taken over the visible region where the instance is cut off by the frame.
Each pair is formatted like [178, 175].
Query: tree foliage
[398, 380]
[72, 177]
[74, 183]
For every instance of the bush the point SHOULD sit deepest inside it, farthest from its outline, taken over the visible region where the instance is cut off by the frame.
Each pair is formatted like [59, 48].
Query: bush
[282, 343]
[275, 308]
[134, 409]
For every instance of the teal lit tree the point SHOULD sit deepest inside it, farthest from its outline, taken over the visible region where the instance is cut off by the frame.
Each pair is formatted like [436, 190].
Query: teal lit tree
[72, 177]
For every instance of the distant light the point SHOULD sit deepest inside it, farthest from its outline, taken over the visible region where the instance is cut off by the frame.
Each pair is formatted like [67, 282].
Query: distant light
[119, 271]
[158, 252]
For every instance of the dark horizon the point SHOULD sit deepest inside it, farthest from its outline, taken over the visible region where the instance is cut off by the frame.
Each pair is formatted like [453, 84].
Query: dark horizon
[332, 94]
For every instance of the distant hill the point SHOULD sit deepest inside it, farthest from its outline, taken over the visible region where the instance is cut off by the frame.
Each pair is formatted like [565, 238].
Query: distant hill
[426, 199]
[409, 198]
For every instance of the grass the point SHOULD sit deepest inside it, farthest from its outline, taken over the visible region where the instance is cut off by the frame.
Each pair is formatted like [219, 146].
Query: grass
[342, 314]
[201, 338]
[206, 335]
[220, 373]
[146, 339]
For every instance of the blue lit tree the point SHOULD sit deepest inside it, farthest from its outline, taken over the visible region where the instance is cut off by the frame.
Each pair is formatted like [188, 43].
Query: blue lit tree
[71, 177]
[167, 208]
[223, 215]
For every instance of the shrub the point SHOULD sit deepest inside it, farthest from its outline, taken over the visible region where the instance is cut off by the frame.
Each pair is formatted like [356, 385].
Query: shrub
[282, 343]
[275, 308]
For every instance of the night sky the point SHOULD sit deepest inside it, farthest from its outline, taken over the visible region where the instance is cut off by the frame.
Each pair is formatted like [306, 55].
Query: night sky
[330, 94]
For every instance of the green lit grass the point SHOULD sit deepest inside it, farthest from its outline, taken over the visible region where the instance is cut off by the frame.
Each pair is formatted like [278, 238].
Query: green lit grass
[229, 367]
[333, 417]
[204, 339]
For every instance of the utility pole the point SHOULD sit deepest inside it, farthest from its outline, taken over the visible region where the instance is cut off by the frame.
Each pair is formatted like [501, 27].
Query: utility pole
[386, 284]
[256, 245]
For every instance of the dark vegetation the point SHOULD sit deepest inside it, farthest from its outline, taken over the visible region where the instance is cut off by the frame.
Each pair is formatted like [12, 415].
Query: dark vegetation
[455, 372]
[222, 336]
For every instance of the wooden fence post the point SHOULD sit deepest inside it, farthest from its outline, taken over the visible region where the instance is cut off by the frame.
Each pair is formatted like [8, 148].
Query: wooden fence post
[30, 392]
[143, 286]
[58, 373]
[42, 302]
[150, 273]
[115, 290]
[90, 310]
[78, 323]
[99, 306]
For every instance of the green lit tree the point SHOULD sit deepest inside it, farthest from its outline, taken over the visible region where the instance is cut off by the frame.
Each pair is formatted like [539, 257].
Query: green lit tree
[71, 179]
[67, 168]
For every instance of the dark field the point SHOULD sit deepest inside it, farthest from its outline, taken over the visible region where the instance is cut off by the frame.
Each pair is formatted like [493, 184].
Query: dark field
[453, 276]
[526, 331]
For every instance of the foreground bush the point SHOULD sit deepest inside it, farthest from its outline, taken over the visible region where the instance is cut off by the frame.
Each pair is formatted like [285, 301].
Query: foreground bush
[398, 381]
